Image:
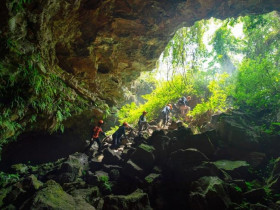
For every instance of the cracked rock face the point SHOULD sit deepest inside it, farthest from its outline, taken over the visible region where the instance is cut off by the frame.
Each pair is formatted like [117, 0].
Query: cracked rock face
[103, 45]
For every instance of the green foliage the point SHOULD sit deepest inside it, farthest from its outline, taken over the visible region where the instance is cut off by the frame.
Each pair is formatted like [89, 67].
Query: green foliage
[252, 185]
[6, 178]
[258, 84]
[112, 130]
[219, 90]
[249, 185]
[164, 93]
[254, 83]
[104, 180]
[28, 95]
[149, 180]
[18, 5]
[238, 189]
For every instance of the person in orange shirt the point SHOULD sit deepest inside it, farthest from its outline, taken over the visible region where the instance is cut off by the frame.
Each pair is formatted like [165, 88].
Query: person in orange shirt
[95, 135]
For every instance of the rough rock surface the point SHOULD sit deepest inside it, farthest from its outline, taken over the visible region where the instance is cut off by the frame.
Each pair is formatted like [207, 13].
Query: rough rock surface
[106, 44]
[210, 192]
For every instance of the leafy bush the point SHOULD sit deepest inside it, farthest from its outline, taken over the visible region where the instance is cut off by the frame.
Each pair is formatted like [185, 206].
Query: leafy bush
[219, 90]
[164, 93]
[7, 178]
[28, 95]
[258, 84]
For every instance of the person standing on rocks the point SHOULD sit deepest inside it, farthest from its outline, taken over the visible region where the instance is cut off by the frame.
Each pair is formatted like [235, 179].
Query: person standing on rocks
[95, 135]
[142, 122]
[164, 117]
[118, 134]
[183, 104]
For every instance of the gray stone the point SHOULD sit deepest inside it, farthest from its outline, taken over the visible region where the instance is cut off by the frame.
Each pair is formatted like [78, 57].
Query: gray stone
[136, 200]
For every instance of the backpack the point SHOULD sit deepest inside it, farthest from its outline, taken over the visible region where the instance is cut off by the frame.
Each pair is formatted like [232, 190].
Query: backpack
[181, 101]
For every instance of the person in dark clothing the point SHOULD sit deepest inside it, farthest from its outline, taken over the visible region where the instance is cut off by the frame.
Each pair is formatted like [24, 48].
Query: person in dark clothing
[165, 115]
[118, 134]
[142, 122]
[183, 104]
[95, 135]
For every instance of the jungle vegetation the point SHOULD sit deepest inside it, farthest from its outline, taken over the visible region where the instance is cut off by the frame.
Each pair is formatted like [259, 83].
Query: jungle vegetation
[223, 64]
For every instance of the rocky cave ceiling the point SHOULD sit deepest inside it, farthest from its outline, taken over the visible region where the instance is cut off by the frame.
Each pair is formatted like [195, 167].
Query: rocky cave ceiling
[105, 44]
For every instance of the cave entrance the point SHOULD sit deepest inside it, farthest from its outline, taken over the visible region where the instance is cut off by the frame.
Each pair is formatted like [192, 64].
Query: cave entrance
[220, 63]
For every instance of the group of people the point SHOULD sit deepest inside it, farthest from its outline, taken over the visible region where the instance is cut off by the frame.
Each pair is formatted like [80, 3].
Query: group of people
[183, 105]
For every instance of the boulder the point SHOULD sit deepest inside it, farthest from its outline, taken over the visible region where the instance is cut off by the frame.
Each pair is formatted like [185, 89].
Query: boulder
[161, 145]
[95, 164]
[205, 169]
[173, 126]
[185, 158]
[31, 183]
[236, 169]
[91, 178]
[136, 200]
[200, 142]
[209, 193]
[256, 159]
[72, 168]
[89, 194]
[52, 196]
[180, 168]
[111, 157]
[108, 168]
[144, 157]
[101, 174]
[16, 195]
[151, 178]
[67, 187]
[255, 195]
[235, 130]
[132, 170]
[183, 133]
[21, 190]
[127, 152]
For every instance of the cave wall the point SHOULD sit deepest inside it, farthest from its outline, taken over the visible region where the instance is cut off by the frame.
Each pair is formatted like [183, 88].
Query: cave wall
[105, 44]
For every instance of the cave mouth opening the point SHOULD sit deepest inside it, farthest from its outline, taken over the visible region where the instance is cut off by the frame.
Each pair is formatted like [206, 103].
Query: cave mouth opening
[220, 63]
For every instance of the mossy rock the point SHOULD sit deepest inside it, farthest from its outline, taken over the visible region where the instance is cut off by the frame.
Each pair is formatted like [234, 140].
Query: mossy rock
[236, 169]
[19, 168]
[52, 196]
[209, 192]
[3, 194]
[144, 157]
[31, 183]
[151, 178]
[230, 165]
[135, 200]
[87, 194]
[146, 147]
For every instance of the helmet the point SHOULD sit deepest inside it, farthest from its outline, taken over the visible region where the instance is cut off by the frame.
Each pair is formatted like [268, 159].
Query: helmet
[125, 124]
[170, 105]
[100, 122]
[144, 112]
[189, 98]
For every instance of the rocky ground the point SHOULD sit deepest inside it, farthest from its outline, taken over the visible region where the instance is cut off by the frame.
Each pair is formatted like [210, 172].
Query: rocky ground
[231, 165]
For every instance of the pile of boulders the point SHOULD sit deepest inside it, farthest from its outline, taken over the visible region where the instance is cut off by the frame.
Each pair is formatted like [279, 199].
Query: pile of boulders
[171, 169]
